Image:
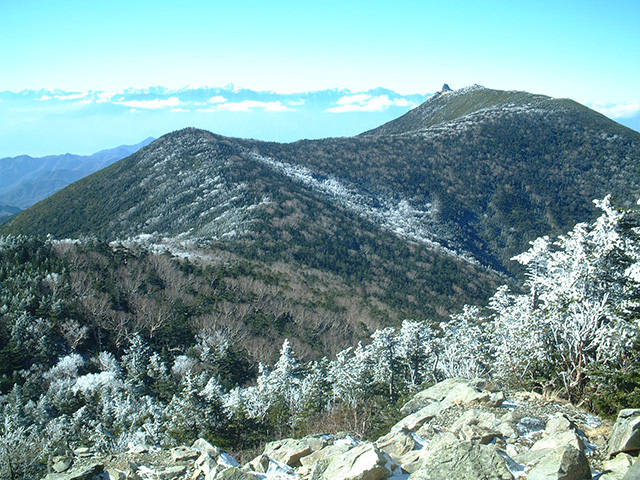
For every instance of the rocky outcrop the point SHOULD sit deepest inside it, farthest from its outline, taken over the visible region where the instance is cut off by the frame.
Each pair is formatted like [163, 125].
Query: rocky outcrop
[457, 429]
[363, 462]
[81, 472]
[626, 432]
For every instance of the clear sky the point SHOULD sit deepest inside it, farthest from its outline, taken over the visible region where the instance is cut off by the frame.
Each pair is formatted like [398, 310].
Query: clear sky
[586, 50]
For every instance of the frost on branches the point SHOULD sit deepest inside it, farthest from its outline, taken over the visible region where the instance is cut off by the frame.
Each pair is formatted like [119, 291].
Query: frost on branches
[581, 309]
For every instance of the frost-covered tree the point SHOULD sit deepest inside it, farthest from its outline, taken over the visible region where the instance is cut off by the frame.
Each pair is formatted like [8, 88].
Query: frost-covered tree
[581, 308]
[384, 359]
[464, 348]
[416, 353]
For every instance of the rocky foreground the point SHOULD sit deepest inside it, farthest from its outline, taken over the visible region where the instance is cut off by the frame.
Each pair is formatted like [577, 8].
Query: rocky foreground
[455, 430]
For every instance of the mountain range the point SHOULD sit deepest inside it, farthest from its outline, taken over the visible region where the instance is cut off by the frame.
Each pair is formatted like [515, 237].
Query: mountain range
[40, 122]
[25, 180]
[409, 220]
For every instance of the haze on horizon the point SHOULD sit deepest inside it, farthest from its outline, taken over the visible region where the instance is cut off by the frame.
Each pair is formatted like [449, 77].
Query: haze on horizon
[583, 50]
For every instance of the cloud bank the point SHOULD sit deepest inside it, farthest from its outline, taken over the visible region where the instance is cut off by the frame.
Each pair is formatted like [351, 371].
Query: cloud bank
[623, 110]
[366, 103]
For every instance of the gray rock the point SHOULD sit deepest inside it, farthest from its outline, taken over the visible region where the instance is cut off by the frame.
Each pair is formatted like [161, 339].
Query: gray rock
[559, 439]
[634, 472]
[617, 467]
[326, 452]
[626, 432]
[363, 462]
[288, 451]
[182, 454]
[425, 414]
[397, 443]
[259, 464]
[86, 472]
[171, 472]
[563, 463]
[203, 446]
[61, 464]
[463, 460]
[460, 391]
[235, 473]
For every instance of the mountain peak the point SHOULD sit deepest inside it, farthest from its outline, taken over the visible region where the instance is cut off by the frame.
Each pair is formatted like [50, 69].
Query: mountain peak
[450, 105]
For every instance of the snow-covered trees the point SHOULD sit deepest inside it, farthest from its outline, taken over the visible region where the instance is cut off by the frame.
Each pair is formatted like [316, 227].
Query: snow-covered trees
[581, 307]
[574, 325]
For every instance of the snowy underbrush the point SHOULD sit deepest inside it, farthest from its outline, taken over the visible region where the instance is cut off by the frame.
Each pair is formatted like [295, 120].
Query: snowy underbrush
[578, 316]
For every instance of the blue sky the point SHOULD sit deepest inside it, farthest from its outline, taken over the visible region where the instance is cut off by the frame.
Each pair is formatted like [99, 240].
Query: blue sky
[585, 50]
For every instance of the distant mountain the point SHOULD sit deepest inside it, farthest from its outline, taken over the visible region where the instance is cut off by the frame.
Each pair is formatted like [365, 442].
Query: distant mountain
[25, 180]
[416, 217]
[7, 211]
[40, 121]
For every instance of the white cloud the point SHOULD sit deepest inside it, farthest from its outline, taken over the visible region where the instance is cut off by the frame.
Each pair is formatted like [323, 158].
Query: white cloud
[296, 103]
[622, 110]
[218, 99]
[152, 104]
[84, 101]
[359, 99]
[104, 97]
[366, 103]
[248, 106]
[72, 96]
[43, 98]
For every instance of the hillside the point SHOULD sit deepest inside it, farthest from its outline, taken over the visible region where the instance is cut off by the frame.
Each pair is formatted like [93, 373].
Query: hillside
[26, 180]
[419, 216]
[190, 262]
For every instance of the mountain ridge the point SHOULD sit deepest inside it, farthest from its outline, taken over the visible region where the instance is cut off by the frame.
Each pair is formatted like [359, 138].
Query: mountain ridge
[432, 204]
[25, 180]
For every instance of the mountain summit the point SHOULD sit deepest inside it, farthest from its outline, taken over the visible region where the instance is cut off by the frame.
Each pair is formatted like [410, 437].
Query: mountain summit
[432, 203]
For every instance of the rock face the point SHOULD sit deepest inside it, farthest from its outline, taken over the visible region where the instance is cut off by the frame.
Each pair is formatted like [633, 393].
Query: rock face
[364, 462]
[457, 429]
[626, 432]
[463, 459]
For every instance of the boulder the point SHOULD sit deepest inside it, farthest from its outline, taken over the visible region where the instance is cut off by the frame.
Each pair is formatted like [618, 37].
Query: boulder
[207, 465]
[85, 472]
[626, 432]
[634, 472]
[61, 464]
[560, 423]
[170, 472]
[183, 454]
[326, 452]
[617, 467]
[235, 473]
[288, 451]
[559, 439]
[463, 460]
[397, 443]
[563, 463]
[205, 447]
[259, 464]
[425, 414]
[456, 390]
[363, 462]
